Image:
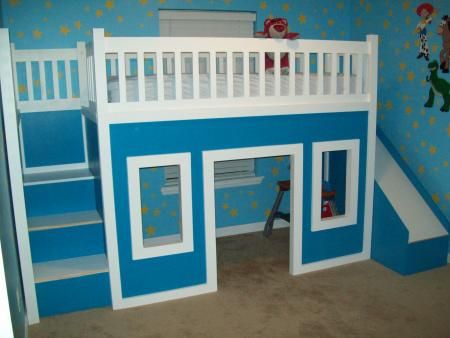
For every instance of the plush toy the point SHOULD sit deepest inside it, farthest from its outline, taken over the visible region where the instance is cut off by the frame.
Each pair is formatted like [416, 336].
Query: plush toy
[277, 28]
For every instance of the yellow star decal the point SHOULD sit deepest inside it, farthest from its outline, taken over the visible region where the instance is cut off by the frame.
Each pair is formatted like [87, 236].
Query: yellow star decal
[406, 5]
[432, 120]
[225, 206]
[20, 35]
[302, 18]
[37, 34]
[448, 130]
[267, 213]
[109, 4]
[254, 204]
[415, 124]
[98, 13]
[150, 14]
[340, 5]
[143, 2]
[389, 105]
[285, 7]
[421, 169]
[150, 230]
[119, 18]
[13, 3]
[331, 22]
[263, 5]
[432, 150]
[22, 89]
[275, 171]
[233, 212]
[408, 110]
[48, 4]
[173, 213]
[436, 198]
[64, 30]
[144, 210]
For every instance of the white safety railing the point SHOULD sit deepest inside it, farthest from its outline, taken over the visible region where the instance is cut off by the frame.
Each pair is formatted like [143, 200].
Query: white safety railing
[140, 73]
[49, 79]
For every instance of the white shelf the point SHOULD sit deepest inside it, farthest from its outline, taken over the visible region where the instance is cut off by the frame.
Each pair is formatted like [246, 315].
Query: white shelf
[66, 220]
[69, 268]
[57, 176]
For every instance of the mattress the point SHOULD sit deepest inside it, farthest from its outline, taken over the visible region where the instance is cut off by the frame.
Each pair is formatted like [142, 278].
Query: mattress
[151, 91]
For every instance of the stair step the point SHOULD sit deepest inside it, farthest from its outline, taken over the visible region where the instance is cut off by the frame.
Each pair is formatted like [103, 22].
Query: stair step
[70, 268]
[65, 220]
[57, 176]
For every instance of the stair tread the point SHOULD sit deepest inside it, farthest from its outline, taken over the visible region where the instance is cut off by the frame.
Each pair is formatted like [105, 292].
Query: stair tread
[57, 176]
[70, 219]
[70, 268]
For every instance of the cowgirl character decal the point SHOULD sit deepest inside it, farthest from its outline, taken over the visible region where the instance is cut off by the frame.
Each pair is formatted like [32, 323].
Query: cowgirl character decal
[424, 10]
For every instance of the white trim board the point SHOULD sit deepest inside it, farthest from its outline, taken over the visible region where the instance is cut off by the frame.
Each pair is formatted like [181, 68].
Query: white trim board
[234, 230]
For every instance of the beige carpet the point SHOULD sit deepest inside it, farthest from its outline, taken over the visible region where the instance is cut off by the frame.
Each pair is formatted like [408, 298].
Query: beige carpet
[258, 298]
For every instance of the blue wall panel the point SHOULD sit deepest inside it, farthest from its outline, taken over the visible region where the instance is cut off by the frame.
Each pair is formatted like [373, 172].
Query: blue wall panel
[67, 242]
[73, 294]
[57, 198]
[195, 136]
[51, 138]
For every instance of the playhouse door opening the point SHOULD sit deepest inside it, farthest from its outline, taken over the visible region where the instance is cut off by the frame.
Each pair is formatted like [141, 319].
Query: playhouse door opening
[252, 214]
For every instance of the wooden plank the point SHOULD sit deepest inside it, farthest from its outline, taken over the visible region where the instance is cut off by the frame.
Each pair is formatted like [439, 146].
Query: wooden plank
[334, 70]
[65, 220]
[141, 76]
[346, 74]
[68, 79]
[122, 77]
[230, 75]
[320, 73]
[306, 74]
[70, 268]
[246, 74]
[195, 75]
[262, 74]
[57, 176]
[42, 81]
[160, 75]
[55, 80]
[292, 74]
[213, 75]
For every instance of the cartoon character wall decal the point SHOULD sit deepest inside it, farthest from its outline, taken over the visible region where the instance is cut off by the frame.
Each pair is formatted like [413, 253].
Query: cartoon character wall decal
[276, 28]
[444, 32]
[424, 10]
[439, 86]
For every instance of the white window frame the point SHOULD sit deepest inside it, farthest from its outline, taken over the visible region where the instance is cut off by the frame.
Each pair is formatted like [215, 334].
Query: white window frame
[351, 189]
[160, 246]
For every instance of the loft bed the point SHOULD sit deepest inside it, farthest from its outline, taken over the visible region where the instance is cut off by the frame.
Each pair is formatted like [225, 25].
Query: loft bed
[163, 101]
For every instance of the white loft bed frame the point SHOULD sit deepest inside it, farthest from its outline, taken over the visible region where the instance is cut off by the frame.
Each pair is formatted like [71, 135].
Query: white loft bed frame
[93, 102]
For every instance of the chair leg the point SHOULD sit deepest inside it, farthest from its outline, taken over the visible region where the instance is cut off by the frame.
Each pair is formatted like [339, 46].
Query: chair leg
[269, 223]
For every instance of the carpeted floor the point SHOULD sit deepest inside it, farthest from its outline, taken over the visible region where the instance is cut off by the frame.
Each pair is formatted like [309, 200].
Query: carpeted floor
[258, 298]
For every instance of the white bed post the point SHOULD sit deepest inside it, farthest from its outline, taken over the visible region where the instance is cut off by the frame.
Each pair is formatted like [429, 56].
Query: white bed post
[372, 41]
[15, 176]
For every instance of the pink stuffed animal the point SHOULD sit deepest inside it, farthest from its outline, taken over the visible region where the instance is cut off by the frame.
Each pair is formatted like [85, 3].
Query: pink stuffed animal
[277, 28]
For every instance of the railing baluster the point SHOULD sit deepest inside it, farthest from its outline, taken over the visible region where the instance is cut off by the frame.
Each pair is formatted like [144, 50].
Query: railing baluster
[29, 76]
[122, 77]
[246, 73]
[292, 74]
[55, 80]
[346, 73]
[334, 67]
[195, 75]
[359, 74]
[141, 75]
[306, 74]
[68, 79]
[230, 75]
[262, 74]
[160, 75]
[277, 74]
[213, 73]
[42, 81]
[178, 83]
[319, 73]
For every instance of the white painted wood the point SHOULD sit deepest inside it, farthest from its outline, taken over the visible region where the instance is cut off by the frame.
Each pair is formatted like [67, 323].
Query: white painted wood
[67, 220]
[292, 74]
[320, 71]
[372, 78]
[359, 73]
[277, 74]
[416, 215]
[139, 250]
[57, 176]
[70, 268]
[160, 75]
[246, 73]
[15, 176]
[122, 77]
[178, 84]
[48, 105]
[140, 75]
[195, 75]
[230, 73]
[213, 75]
[219, 184]
[99, 69]
[306, 74]
[334, 70]
[249, 228]
[262, 74]
[82, 73]
[347, 74]
[29, 77]
[68, 78]
[55, 79]
[42, 80]
[351, 185]
[206, 15]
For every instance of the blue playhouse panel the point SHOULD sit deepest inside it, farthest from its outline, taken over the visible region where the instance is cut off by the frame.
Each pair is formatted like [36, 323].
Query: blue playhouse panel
[68, 242]
[57, 198]
[187, 269]
[52, 138]
[390, 241]
[73, 294]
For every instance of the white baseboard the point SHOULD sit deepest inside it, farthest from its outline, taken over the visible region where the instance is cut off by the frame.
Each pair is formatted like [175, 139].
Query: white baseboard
[247, 228]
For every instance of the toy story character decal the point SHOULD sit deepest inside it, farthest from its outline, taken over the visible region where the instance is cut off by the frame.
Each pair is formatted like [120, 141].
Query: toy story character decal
[424, 10]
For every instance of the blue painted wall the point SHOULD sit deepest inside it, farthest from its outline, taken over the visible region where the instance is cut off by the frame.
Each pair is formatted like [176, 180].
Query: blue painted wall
[8, 244]
[165, 137]
[421, 135]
